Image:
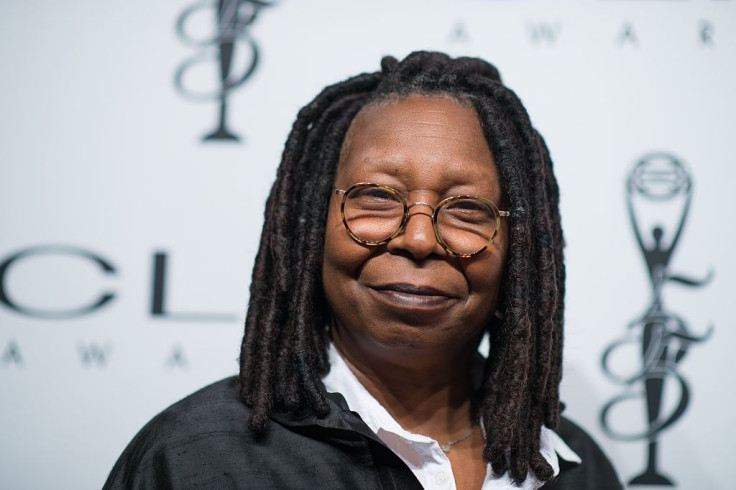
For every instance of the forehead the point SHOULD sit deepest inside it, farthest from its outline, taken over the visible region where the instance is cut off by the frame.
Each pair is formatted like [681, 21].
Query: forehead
[424, 141]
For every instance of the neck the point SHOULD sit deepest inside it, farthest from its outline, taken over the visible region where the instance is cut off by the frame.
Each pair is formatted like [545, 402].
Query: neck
[424, 391]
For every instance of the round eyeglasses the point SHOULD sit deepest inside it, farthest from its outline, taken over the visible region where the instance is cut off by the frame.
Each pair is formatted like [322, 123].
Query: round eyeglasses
[374, 214]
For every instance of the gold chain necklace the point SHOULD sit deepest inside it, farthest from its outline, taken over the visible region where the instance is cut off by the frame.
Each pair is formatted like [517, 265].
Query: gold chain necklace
[448, 445]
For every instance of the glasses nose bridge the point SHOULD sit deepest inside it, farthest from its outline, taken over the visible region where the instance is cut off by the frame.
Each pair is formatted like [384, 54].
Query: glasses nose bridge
[431, 216]
[419, 243]
[420, 203]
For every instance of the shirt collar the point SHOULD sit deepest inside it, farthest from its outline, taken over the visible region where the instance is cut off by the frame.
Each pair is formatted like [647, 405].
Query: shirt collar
[341, 379]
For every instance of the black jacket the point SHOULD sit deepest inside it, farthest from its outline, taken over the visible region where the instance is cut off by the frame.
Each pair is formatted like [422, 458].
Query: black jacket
[203, 441]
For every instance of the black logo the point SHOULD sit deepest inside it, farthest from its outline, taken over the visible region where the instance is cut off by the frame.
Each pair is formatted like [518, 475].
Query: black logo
[104, 298]
[659, 187]
[230, 38]
[159, 287]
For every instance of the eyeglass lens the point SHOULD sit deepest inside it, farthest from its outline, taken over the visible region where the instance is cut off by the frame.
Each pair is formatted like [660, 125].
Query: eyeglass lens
[373, 214]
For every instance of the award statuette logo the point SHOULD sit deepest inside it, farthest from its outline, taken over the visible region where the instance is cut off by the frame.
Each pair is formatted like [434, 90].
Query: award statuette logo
[229, 45]
[659, 189]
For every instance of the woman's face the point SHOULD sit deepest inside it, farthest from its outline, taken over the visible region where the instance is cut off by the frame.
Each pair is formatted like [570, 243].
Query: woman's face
[410, 294]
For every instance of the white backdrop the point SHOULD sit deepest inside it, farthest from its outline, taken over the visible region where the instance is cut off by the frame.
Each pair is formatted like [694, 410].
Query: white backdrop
[100, 153]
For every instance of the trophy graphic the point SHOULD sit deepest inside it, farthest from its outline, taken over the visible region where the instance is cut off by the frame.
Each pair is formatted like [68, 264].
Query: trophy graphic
[659, 187]
[232, 19]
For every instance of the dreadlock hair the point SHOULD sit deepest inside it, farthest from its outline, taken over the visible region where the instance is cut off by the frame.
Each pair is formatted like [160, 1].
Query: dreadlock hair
[284, 350]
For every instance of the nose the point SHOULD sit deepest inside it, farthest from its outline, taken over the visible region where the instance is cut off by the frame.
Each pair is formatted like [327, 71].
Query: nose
[418, 237]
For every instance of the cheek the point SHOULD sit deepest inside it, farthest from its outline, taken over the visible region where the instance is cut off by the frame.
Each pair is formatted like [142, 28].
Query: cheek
[485, 276]
[342, 263]
[342, 255]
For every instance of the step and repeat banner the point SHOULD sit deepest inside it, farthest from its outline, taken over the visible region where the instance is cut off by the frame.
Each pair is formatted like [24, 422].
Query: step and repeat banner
[140, 139]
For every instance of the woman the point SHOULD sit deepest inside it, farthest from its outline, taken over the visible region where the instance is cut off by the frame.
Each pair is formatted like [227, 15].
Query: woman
[414, 211]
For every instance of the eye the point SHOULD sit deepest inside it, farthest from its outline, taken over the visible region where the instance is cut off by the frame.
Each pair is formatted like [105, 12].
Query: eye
[375, 198]
[468, 211]
[466, 205]
[376, 193]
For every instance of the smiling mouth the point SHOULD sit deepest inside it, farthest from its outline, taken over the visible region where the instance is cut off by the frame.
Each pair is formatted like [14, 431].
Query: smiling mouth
[407, 296]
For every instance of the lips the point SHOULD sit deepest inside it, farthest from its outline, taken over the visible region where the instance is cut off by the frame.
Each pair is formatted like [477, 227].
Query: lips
[413, 290]
[413, 298]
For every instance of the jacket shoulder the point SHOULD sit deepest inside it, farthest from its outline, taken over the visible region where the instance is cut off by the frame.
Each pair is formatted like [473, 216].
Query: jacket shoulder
[199, 426]
[203, 441]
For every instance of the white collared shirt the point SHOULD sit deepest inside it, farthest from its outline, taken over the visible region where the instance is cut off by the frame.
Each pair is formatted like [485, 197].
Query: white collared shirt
[422, 454]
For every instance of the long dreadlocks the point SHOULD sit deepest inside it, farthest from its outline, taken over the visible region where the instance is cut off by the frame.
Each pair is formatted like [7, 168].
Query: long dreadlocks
[284, 351]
